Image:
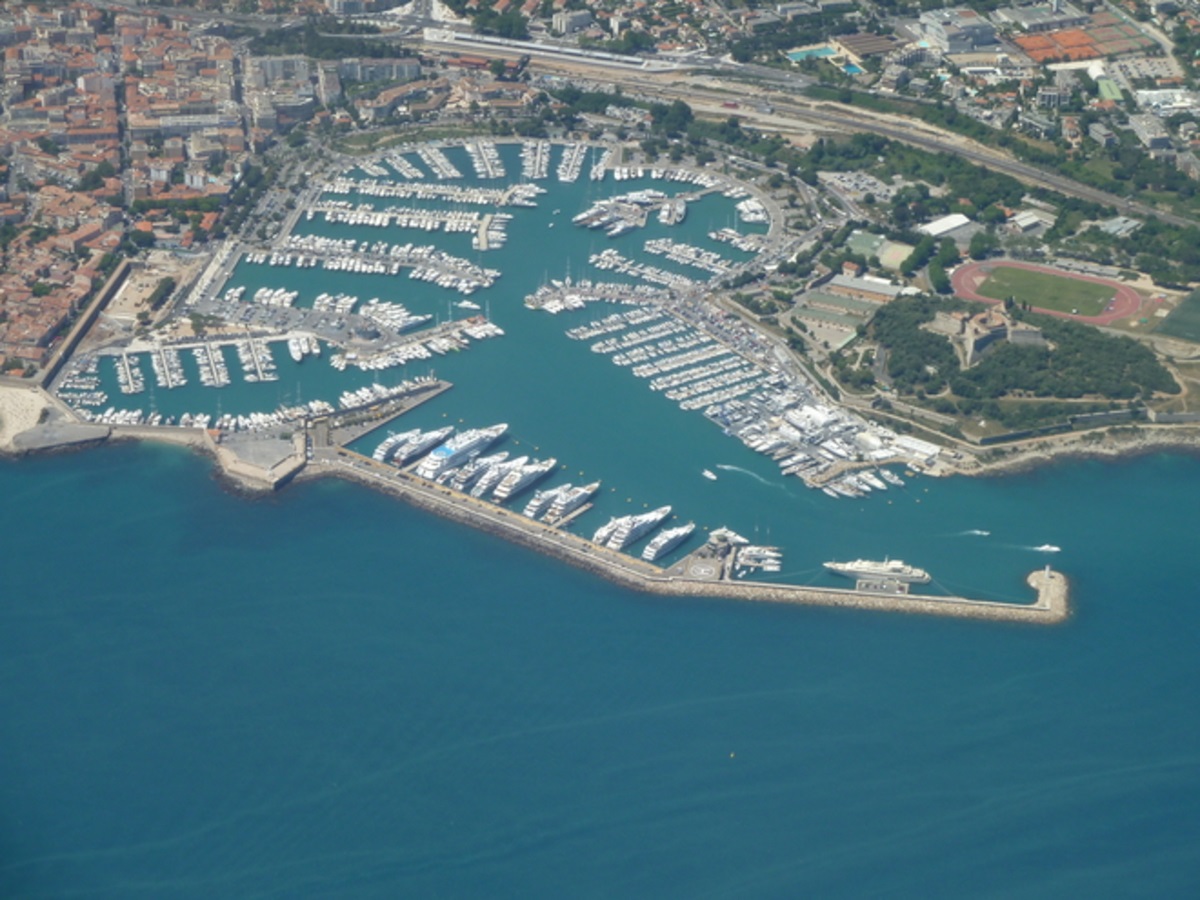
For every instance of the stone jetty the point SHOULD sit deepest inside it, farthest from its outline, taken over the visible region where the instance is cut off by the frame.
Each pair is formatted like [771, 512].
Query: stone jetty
[1050, 607]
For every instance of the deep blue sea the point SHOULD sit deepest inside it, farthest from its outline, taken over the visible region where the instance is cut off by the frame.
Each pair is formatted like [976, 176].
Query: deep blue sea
[328, 694]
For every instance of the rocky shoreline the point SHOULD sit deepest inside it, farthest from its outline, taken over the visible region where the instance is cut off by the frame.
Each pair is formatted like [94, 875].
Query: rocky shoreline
[1130, 442]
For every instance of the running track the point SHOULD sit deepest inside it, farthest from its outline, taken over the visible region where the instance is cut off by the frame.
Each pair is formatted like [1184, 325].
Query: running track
[966, 278]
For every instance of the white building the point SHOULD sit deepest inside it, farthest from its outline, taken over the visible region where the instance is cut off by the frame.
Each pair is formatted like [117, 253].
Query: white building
[944, 225]
[568, 21]
[957, 30]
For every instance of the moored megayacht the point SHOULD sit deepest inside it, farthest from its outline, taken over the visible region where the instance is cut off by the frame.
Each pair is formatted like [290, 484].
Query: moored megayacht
[631, 528]
[571, 500]
[390, 444]
[667, 540]
[542, 500]
[495, 474]
[471, 471]
[459, 448]
[888, 569]
[419, 443]
[525, 477]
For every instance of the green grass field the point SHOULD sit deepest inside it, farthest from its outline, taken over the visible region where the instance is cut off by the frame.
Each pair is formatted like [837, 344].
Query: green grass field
[1053, 292]
[1184, 320]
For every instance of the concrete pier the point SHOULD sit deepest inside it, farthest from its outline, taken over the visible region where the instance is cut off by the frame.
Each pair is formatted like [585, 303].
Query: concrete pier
[1051, 605]
[348, 425]
[482, 234]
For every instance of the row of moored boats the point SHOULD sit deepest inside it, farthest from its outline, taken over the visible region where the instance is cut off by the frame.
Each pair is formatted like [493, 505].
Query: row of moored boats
[460, 462]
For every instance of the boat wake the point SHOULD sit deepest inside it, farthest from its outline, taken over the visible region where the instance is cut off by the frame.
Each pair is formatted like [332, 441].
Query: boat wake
[753, 475]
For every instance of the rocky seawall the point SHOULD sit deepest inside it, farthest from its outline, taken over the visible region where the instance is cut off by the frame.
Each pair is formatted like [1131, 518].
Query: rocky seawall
[1051, 605]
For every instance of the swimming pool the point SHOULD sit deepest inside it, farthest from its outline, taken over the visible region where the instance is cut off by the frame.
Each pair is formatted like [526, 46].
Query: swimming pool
[810, 53]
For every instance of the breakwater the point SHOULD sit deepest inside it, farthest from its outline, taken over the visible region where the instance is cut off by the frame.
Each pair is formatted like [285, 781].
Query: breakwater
[266, 462]
[1051, 606]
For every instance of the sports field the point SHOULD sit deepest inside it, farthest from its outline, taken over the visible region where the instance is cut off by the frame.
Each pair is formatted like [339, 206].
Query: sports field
[1046, 291]
[1184, 320]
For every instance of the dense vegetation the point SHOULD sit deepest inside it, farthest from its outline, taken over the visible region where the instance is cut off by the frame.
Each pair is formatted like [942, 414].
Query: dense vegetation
[1081, 360]
[771, 44]
[918, 361]
[1084, 360]
[161, 292]
[486, 20]
[322, 38]
[1169, 254]
[629, 43]
[984, 191]
[1124, 169]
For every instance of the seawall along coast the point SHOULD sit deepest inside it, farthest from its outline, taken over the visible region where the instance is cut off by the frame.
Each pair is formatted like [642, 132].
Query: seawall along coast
[1051, 607]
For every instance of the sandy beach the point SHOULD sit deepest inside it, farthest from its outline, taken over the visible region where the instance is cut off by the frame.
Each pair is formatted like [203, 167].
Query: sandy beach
[21, 408]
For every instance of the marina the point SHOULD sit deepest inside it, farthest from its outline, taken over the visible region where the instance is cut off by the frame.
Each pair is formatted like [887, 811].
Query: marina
[486, 161]
[316, 332]
[535, 160]
[709, 362]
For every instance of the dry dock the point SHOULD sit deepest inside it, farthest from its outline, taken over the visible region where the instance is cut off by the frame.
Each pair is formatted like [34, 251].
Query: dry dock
[1050, 607]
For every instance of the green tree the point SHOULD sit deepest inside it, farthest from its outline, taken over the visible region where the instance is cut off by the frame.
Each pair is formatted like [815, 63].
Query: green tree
[95, 178]
[672, 120]
[938, 279]
[983, 243]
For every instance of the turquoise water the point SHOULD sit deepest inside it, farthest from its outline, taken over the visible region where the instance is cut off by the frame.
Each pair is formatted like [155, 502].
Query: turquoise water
[535, 252]
[815, 52]
[329, 694]
[326, 693]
